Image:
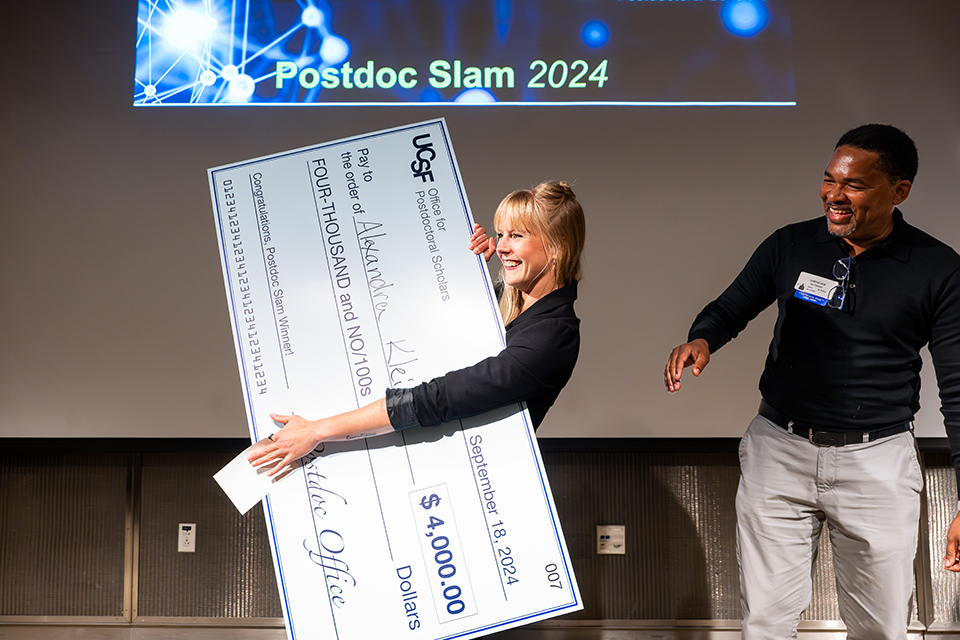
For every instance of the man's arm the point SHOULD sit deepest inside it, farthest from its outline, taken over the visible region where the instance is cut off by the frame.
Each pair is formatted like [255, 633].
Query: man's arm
[753, 290]
[945, 351]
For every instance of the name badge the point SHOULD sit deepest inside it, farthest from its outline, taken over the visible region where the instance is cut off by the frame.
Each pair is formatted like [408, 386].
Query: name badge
[813, 288]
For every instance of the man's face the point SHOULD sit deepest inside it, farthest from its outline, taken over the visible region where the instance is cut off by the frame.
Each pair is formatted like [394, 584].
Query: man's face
[858, 198]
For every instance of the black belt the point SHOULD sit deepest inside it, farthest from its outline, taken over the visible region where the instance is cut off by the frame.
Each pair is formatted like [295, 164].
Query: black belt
[828, 438]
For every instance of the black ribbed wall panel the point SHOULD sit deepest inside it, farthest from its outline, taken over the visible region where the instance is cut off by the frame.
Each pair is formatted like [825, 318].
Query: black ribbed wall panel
[678, 509]
[63, 521]
[230, 575]
[62, 533]
[680, 560]
[941, 508]
[823, 604]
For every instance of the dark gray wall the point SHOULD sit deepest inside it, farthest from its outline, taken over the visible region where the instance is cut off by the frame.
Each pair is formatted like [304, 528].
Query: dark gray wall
[112, 312]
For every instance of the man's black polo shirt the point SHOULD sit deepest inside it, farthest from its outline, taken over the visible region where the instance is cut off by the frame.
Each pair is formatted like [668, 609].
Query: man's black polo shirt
[854, 368]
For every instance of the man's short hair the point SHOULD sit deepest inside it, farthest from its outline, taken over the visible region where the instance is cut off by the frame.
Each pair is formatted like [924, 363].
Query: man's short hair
[898, 153]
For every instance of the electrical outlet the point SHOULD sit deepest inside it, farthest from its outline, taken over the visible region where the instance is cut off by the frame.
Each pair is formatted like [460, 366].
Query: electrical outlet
[611, 538]
[188, 537]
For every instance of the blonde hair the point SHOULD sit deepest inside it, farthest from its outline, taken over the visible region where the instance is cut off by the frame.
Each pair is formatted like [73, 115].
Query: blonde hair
[551, 211]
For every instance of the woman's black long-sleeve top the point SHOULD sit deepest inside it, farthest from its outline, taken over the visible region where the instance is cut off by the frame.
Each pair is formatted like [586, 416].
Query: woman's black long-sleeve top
[543, 343]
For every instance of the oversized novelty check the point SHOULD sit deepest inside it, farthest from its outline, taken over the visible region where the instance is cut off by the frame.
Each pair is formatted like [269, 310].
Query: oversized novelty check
[347, 272]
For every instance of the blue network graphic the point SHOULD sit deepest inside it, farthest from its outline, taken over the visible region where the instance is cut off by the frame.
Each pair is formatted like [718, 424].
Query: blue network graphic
[745, 18]
[223, 51]
[595, 34]
[470, 52]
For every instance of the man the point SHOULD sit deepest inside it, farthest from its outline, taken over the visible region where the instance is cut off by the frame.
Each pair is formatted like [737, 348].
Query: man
[859, 292]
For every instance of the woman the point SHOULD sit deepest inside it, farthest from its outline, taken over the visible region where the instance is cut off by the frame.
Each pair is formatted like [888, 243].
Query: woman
[540, 238]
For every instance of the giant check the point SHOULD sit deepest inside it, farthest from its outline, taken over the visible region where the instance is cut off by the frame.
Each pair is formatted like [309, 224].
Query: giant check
[346, 271]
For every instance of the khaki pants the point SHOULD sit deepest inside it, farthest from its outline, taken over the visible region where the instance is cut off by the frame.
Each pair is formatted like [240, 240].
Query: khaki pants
[868, 494]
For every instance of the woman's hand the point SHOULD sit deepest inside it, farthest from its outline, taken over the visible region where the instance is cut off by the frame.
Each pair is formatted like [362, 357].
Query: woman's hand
[481, 244]
[297, 438]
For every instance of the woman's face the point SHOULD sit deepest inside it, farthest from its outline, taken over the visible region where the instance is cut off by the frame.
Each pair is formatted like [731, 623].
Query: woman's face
[526, 263]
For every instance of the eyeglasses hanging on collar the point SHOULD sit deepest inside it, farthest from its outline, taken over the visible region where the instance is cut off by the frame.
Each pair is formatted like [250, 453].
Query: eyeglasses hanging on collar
[841, 271]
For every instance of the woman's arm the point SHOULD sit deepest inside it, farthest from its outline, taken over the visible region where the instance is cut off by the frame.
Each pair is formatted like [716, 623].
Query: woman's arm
[300, 436]
[538, 359]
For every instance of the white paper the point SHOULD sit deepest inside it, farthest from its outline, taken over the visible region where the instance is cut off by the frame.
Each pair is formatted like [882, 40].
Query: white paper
[347, 272]
[246, 485]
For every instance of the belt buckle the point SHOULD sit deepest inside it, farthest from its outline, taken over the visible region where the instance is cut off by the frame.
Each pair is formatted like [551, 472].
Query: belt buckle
[821, 438]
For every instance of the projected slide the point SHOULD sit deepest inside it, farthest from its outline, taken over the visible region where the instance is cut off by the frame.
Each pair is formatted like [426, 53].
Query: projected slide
[396, 52]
